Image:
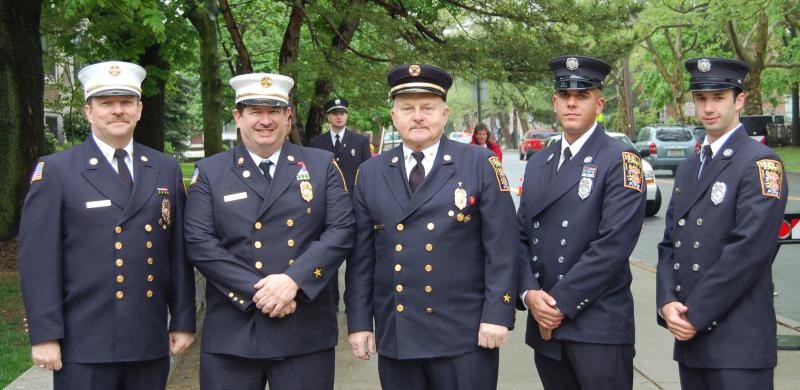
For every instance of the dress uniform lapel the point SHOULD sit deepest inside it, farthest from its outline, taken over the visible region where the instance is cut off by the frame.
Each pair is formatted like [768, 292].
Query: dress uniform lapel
[99, 173]
[396, 177]
[711, 171]
[440, 172]
[144, 183]
[254, 179]
[285, 173]
[569, 174]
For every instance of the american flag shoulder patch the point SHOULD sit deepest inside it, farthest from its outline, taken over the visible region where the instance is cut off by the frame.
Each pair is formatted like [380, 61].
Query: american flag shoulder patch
[38, 172]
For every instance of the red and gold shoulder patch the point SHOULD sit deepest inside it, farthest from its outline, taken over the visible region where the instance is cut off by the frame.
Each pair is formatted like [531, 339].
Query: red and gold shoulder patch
[502, 181]
[632, 173]
[344, 182]
[771, 174]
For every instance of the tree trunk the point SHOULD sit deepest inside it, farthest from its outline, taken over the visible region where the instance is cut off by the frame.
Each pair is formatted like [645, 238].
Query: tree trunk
[245, 65]
[204, 20]
[21, 106]
[289, 51]
[150, 129]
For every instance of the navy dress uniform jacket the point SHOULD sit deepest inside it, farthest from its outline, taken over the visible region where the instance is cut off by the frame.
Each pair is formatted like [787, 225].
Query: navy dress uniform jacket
[577, 250]
[716, 258]
[354, 151]
[240, 230]
[100, 267]
[428, 272]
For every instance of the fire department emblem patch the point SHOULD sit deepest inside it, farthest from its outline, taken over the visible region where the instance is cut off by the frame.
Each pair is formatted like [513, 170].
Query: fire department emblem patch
[771, 174]
[632, 171]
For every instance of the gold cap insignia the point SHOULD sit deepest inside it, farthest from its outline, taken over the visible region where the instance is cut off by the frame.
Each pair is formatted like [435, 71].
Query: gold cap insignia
[414, 70]
[114, 70]
[266, 82]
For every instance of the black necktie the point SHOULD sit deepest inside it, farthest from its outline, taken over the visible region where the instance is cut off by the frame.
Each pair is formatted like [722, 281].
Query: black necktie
[707, 155]
[122, 168]
[418, 173]
[264, 165]
[337, 145]
[567, 156]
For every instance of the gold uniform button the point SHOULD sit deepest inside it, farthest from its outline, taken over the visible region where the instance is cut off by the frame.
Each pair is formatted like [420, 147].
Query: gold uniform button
[120, 278]
[398, 267]
[429, 310]
[257, 244]
[149, 244]
[150, 261]
[289, 222]
[258, 225]
[118, 229]
[241, 301]
[399, 288]
[149, 293]
[118, 245]
[428, 247]
[150, 278]
[400, 308]
[430, 226]
[400, 227]
[291, 261]
[259, 265]
[428, 268]
[398, 248]
[290, 243]
[308, 211]
[119, 262]
[428, 289]
[148, 228]
[120, 295]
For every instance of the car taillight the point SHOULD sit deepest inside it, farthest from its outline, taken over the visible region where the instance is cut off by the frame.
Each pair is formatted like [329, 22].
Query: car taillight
[653, 150]
[697, 147]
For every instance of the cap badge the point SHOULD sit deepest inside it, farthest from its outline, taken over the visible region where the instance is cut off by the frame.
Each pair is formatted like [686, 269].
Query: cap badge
[572, 63]
[704, 65]
[414, 70]
[114, 70]
[337, 101]
[266, 82]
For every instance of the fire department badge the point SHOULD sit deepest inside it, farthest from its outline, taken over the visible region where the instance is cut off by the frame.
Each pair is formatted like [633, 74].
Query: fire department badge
[414, 70]
[771, 174]
[572, 63]
[632, 171]
[502, 181]
[704, 65]
[306, 191]
[718, 192]
[460, 198]
[588, 174]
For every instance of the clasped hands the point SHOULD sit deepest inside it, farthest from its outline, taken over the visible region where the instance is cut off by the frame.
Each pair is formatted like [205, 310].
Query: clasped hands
[674, 314]
[543, 308]
[275, 295]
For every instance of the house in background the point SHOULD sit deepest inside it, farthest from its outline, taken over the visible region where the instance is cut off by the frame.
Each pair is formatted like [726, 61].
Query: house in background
[195, 150]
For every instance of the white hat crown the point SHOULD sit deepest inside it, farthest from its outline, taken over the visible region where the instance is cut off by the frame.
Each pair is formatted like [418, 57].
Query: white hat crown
[262, 87]
[112, 78]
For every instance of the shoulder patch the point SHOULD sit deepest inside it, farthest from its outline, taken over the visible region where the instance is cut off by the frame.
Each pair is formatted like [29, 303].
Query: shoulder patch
[502, 182]
[771, 174]
[341, 175]
[194, 176]
[632, 174]
[38, 172]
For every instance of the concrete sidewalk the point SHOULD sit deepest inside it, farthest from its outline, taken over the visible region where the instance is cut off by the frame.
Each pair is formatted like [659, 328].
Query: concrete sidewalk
[654, 367]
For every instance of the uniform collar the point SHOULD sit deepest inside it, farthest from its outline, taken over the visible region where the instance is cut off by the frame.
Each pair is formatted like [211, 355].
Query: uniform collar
[108, 150]
[333, 134]
[578, 144]
[717, 145]
[258, 159]
[429, 152]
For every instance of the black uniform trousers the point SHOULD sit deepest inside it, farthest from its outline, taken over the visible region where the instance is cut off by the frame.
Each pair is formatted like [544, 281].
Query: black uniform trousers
[728, 379]
[312, 371]
[585, 366]
[476, 370]
[147, 374]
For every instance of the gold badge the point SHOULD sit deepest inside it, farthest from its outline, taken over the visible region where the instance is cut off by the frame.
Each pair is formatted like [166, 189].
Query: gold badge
[306, 191]
[506, 298]
[460, 198]
[317, 272]
[266, 82]
[114, 70]
[166, 217]
[414, 70]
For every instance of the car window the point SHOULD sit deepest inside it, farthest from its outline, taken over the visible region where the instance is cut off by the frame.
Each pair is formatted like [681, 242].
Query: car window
[625, 140]
[539, 135]
[674, 134]
[644, 135]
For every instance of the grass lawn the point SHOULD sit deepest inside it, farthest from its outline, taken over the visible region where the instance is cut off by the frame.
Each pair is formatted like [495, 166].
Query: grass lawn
[15, 353]
[790, 156]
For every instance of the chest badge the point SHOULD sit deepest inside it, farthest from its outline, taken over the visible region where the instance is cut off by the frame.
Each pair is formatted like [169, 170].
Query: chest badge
[352, 152]
[306, 191]
[166, 215]
[718, 192]
[588, 174]
[460, 196]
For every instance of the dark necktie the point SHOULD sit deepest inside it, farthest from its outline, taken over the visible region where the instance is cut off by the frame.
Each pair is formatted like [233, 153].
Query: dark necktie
[264, 165]
[337, 145]
[567, 156]
[707, 155]
[417, 173]
[122, 168]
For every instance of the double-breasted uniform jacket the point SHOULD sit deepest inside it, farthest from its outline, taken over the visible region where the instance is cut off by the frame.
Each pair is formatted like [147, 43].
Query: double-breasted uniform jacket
[103, 267]
[239, 230]
[578, 228]
[715, 258]
[354, 151]
[429, 267]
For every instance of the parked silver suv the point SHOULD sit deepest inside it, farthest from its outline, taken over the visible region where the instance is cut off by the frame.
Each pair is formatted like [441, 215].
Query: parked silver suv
[668, 145]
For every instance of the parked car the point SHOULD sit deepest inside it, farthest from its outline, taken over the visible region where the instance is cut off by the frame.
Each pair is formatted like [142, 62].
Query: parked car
[459, 136]
[533, 142]
[667, 145]
[653, 192]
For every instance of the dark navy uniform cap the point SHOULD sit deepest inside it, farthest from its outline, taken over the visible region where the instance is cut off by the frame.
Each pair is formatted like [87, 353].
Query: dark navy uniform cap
[715, 74]
[336, 105]
[418, 78]
[579, 72]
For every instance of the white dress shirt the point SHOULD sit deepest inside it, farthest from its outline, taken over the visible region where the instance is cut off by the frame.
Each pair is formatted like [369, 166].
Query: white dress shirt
[576, 146]
[108, 153]
[333, 134]
[717, 145]
[274, 158]
[427, 162]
